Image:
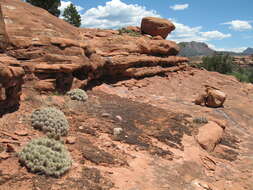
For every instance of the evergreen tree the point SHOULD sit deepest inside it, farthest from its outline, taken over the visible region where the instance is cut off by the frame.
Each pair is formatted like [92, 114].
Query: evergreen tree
[49, 5]
[72, 16]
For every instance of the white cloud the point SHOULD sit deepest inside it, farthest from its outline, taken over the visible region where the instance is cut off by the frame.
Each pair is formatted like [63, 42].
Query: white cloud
[65, 4]
[215, 35]
[237, 50]
[179, 7]
[239, 25]
[184, 33]
[115, 14]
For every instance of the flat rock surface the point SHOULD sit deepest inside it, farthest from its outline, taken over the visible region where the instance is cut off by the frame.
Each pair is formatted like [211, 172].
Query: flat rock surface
[157, 148]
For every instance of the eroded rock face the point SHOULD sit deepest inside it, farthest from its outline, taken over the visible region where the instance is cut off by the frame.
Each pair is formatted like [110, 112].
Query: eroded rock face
[58, 56]
[3, 36]
[156, 26]
[11, 80]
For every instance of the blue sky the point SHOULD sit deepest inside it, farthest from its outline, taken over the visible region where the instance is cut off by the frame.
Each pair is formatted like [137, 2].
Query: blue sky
[222, 24]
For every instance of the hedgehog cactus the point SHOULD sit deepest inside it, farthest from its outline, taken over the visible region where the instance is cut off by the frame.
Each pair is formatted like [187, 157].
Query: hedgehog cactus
[45, 156]
[50, 120]
[200, 120]
[78, 94]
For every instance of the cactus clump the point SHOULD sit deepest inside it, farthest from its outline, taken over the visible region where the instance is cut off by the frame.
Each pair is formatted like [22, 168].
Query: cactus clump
[78, 94]
[50, 120]
[200, 120]
[45, 156]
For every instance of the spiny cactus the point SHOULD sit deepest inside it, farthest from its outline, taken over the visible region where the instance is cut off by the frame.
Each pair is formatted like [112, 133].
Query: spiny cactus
[45, 156]
[78, 94]
[50, 120]
[200, 120]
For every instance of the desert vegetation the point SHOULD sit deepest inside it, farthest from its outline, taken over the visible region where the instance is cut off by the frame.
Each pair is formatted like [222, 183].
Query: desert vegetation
[50, 120]
[52, 6]
[45, 156]
[223, 63]
[129, 32]
[78, 94]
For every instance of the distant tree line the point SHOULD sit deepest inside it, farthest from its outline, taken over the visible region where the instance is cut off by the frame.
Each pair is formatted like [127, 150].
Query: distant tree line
[223, 63]
[70, 14]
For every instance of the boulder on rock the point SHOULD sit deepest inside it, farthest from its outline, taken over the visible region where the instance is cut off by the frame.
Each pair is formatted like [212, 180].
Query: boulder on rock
[157, 26]
[212, 97]
[209, 136]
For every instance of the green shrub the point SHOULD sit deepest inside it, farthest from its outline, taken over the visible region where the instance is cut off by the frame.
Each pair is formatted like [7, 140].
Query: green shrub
[51, 6]
[78, 94]
[50, 120]
[219, 63]
[71, 15]
[243, 75]
[129, 32]
[45, 156]
[223, 63]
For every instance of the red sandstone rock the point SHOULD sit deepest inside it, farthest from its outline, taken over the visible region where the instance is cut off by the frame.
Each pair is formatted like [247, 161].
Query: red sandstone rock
[134, 28]
[212, 97]
[209, 136]
[156, 26]
[56, 53]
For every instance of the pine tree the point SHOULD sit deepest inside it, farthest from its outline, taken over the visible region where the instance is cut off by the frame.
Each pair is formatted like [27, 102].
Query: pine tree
[72, 16]
[49, 5]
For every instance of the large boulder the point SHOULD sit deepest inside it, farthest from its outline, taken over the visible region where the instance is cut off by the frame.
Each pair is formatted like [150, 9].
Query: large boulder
[212, 97]
[209, 136]
[215, 98]
[157, 26]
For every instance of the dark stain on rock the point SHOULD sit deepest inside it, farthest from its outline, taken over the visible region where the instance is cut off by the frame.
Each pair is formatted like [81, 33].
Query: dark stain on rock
[42, 182]
[140, 121]
[162, 153]
[91, 179]
[226, 154]
[97, 155]
[230, 141]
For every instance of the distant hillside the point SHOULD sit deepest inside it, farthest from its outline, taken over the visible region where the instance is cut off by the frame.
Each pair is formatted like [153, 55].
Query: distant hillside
[191, 49]
[248, 51]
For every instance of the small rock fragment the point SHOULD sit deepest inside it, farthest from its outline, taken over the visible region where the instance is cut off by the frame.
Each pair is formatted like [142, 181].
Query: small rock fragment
[4, 155]
[71, 140]
[117, 131]
[11, 148]
[21, 132]
[119, 117]
[106, 115]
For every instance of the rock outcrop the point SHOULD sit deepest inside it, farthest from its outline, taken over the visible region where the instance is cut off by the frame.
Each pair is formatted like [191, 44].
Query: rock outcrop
[156, 26]
[58, 56]
[11, 80]
[3, 35]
